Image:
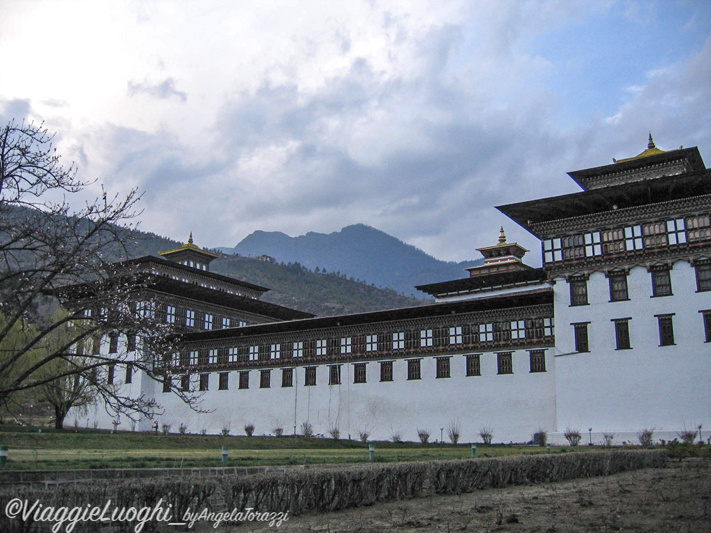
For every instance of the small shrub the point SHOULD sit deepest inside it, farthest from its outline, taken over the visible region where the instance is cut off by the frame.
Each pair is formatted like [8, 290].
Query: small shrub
[278, 432]
[165, 428]
[203, 431]
[225, 431]
[540, 438]
[486, 434]
[607, 438]
[645, 437]
[687, 437]
[572, 436]
[423, 435]
[335, 433]
[396, 436]
[680, 450]
[249, 430]
[182, 429]
[307, 429]
[363, 435]
[453, 432]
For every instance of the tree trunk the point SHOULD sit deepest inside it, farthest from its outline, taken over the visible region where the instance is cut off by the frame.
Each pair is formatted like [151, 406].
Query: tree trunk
[59, 413]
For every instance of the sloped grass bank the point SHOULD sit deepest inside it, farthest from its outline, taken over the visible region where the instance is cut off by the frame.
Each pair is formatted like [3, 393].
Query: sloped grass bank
[321, 490]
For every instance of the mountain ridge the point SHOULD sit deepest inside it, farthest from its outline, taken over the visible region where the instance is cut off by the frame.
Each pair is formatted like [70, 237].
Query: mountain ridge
[359, 251]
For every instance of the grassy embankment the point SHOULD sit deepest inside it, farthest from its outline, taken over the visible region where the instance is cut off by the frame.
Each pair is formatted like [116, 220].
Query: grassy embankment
[85, 448]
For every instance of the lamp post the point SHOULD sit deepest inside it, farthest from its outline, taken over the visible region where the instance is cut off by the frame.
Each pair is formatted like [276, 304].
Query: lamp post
[590, 432]
[441, 435]
[701, 440]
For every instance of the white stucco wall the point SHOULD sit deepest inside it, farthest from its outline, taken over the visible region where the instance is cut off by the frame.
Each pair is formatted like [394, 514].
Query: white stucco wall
[514, 405]
[648, 386]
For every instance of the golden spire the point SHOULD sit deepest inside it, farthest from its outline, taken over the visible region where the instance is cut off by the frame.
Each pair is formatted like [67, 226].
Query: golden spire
[651, 150]
[502, 236]
[190, 239]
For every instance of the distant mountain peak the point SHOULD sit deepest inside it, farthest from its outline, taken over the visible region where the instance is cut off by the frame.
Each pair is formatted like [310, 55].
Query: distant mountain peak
[359, 251]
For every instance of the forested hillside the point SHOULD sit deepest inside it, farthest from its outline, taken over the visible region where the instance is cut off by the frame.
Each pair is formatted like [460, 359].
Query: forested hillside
[292, 284]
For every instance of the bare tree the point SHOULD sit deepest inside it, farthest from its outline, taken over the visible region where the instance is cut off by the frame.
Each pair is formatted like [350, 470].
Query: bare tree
[52, 254]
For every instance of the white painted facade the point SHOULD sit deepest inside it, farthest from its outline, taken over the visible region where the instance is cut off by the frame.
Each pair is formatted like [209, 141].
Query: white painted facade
[664, 388]
[382, 409]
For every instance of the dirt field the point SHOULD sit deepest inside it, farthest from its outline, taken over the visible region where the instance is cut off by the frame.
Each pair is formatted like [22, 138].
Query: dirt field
[672, 499]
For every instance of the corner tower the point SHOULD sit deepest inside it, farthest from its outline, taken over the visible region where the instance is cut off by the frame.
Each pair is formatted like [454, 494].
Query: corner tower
[629, 258]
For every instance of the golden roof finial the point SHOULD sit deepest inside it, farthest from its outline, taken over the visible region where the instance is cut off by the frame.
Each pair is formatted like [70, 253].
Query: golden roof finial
[650, 144]
[502, 236]
[190, 239]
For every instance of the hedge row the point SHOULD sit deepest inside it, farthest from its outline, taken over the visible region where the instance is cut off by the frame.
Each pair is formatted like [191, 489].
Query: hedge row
[326, 489]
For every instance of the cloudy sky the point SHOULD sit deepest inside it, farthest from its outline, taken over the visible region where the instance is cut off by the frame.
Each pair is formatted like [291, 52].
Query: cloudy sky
[412, 116]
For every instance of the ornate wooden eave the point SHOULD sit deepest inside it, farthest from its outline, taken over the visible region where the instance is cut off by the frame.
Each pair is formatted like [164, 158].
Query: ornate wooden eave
[528, 276]
[650, 164]
[622, 217]
[537, 214]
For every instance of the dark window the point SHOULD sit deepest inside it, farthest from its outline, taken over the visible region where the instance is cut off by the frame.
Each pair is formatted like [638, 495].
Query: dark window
[334, 375]
[287, 377]
[113, 343]
[622, 334]
[166, 384]
[129, 373]
[703, 277]
[131, 342]
[96, 345]
[474, 365]
[538, 360]
[502, 331]
[618, 287]
[578, 291]
[244, 380]
[581, 338]
[505, 363]
[204, 381]
[310, 376]
[110, 374]
[185, 383]
[223, 382]
[359, 375]
[413, 369]
[707, 325]
[386, 371]
[666, 330]
[443, 367]
[661, 283]
[265, 379]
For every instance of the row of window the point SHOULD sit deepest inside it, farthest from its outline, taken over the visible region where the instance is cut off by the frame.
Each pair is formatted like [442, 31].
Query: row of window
[665, 325]
[617, 241]
[111, 374]
[537, 363]
[190, 318]
[456, 336]
[660, 280]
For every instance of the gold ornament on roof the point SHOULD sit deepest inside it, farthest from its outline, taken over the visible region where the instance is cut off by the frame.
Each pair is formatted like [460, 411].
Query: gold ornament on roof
[651, 150]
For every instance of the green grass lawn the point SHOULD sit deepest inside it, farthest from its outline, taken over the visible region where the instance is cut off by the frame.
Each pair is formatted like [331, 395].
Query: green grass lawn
[83, 448]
